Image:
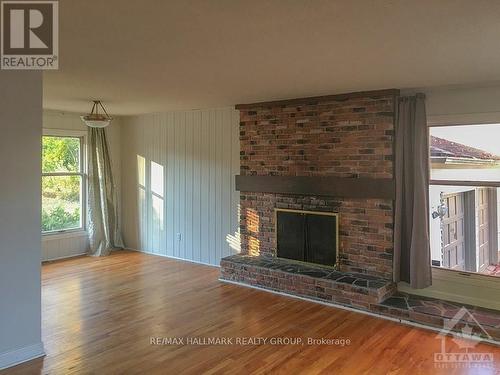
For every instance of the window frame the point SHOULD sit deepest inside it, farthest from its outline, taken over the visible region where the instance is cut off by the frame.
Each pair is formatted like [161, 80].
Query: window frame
[454, 121]
[82, 136]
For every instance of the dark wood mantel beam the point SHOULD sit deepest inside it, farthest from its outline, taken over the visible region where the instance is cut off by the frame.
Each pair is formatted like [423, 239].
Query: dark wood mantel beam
[381, 188]
[317, 99]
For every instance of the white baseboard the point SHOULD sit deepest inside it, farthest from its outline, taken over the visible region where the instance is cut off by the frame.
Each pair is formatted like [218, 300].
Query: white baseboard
[172, 257]
[64, 257]
[15, 357]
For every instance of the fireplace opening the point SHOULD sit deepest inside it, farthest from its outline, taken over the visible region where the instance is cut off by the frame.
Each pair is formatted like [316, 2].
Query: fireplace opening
[307, 236]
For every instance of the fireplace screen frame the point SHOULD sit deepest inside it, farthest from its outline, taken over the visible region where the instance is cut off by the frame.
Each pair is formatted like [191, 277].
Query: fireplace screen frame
[307, 212]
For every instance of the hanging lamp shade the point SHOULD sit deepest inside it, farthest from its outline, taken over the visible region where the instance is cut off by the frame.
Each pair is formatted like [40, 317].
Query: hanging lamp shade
[95, 119]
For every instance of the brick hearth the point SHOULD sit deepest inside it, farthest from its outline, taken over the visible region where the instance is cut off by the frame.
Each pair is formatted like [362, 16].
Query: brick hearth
[306, 280]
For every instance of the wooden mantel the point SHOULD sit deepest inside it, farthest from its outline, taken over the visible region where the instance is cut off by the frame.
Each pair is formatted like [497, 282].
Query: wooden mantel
[381, 188]
[316, 99]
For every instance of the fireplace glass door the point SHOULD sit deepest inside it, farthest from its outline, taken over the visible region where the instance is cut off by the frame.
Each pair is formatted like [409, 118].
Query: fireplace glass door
[307, 236]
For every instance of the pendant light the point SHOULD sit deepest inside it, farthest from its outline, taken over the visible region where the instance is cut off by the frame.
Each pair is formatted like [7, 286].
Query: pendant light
[95, 119]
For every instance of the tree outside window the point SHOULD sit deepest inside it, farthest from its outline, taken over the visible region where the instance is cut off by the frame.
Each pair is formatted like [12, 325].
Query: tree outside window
[62, 184]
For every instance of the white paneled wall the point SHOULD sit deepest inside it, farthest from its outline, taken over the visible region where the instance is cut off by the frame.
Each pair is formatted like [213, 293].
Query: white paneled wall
[64, 246]
[178, 193]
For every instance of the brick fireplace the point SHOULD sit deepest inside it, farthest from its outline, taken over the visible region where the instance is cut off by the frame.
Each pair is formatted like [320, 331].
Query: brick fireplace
[331, 154]
[345, 136]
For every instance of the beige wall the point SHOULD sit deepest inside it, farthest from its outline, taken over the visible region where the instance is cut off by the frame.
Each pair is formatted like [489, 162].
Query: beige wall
[463, 100]
[464, 105]
[21, 129]
[66, 245]
[195, 156]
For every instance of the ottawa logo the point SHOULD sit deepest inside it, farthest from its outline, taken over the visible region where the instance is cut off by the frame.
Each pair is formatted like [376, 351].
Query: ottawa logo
[467, 333]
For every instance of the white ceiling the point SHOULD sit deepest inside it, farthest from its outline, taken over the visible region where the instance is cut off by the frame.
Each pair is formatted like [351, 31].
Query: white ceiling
[153, 56]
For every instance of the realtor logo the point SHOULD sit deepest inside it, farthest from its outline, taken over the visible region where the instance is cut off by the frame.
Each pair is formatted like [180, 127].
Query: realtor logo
[30, 35]
[467, 333]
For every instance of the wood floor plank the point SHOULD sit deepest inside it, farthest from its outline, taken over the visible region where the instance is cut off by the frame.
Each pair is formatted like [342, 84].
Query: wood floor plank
[99, 315]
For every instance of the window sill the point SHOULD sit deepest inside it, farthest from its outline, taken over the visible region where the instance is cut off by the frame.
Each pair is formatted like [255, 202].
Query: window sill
[66, 234]
[477, 290]
[470, 278]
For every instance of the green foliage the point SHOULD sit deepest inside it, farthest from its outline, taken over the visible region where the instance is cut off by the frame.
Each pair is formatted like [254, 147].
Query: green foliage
[61, 187]
[60, 154]
[59, 218]
[60, 194]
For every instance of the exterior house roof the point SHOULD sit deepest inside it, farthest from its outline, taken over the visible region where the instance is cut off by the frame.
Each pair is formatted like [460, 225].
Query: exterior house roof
[443, 148]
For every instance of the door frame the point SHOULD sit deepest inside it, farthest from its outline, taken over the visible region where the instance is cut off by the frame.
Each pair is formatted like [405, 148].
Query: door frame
[470, 230]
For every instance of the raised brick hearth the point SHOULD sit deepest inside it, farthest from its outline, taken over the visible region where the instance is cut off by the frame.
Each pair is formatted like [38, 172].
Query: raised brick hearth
[306, 280]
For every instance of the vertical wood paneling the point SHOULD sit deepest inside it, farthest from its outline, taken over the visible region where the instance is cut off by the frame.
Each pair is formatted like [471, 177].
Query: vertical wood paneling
[57, 246]
[199, 153]
[235, 170]
[163, 162]
[170, 197]
[188, 216]
[212, 219]
[218, 185]
[178, 158]
[157, 198]
[205, 192]
[143, 193]
[226, 175]
[182, 188]
[197, 180]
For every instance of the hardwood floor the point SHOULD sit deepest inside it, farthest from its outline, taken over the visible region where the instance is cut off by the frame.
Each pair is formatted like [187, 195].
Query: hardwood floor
[99, 315]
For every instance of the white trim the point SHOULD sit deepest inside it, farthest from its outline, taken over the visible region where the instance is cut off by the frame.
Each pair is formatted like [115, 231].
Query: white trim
[64, 257]
[64, 132]
[17, 356]
[83, 173]
[351, 309]
[172, 257]
[52, 236]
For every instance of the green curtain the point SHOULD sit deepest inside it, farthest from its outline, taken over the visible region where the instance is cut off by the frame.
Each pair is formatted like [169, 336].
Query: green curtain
[104, 226]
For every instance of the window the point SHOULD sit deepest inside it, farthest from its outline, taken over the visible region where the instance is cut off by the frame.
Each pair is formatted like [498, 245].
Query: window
[464, 198]
[63, 183]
